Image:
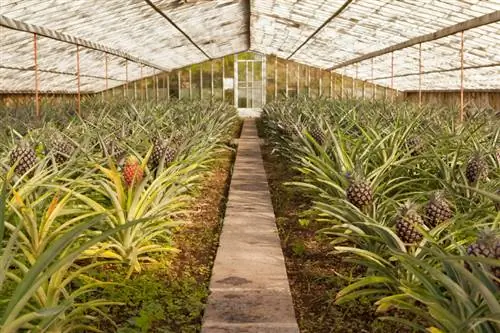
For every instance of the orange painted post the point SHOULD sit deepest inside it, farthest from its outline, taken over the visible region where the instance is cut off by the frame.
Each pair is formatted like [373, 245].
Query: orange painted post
[392, 76]
[37, 80]
[78, 77]
[373, 84]
[462, 76]
[420, 75]
[126, 78]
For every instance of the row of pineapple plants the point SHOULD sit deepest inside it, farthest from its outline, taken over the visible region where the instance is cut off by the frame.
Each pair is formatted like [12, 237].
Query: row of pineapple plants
[409, 193]
[103, 188]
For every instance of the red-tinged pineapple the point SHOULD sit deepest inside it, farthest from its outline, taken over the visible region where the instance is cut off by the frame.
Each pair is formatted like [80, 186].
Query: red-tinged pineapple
[132, 171]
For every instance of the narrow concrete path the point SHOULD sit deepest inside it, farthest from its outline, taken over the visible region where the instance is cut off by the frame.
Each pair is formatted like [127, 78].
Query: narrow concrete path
[249, 286]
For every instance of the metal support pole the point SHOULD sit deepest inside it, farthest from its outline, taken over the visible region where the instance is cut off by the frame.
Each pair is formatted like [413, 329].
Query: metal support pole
[179, 83]
[201, 81]
[331, 85]
[190, 84]
[78, 97]
[135, 89]
[341, 86]
[235, 82]
[212, 78]
[373, 84]
[37, 78]
[157, 93]
[168, 86]
[420, 75]
[106, 73]
[264, 81]
[308, 81]
[146, 88]
[276, 78]
[286, 79]
[320, 83]
[126, 78]
[462, 76]
[363, 89]
[223, 76]
[392, 76]
[298, 79]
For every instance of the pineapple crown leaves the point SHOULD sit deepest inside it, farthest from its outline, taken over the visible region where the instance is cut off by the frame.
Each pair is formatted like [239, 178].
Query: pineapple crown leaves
[488, 237]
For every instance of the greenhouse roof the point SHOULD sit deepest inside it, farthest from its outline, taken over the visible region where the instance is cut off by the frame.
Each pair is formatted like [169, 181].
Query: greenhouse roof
[388, 36]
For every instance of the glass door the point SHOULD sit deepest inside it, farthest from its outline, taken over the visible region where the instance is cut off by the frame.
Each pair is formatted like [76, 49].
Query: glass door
[250, 81]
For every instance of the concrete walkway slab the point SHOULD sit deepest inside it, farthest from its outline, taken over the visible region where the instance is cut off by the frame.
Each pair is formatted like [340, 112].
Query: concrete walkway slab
[249, 285]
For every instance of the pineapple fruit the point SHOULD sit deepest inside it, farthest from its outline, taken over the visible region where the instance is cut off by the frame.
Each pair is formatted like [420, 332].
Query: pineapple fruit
[359, 192]
[62, 151]
[415, 145]
[477, 169]
[161, 150]
[406, 223]
[132, 171]
[25, 157]
[437, 210]
[318, 135]
[487, 246]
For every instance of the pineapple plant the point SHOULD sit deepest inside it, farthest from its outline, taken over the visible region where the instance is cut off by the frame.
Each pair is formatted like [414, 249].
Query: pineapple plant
[477, 169]
[132, 171]
[415, 145]
[359, 192]
[25, 157]
[497, 203]
[437, 210]
[487, 245]
[406, 222]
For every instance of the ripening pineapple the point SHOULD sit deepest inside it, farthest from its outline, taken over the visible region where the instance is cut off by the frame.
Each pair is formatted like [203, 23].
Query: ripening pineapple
[359, 192]
[477, 169]
[406, 223]
[62, 151]
[318, 135]
[25, 157]
[487, 246]
[161, 150]
[437, 210]
[132, 171]
[415, 145]
[285, 129]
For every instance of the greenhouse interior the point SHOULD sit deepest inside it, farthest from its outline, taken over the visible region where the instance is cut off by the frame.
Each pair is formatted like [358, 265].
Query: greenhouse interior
[250, 166]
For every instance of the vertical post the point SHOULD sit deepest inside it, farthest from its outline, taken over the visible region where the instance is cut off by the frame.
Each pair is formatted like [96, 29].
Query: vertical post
[201, 81]
[37, 80]
[247, 83]
[179, 83]
[363, 89]
[146, 89]
[126, 78]
[190, 84]
[286, 79]
[342, 86]
[373, 84]
[392, 76]
[157, 93]
[168, 86]
[78, 97]
[135, 89]
[331, 85]
[264, 80]
[298, 80]
[276, 77]
[252, 76]
[212, 78]
[235, 82]
[308, 81]
[223, 76]
[462, 76]
[420, 75]
[106, 73]
[320, 83]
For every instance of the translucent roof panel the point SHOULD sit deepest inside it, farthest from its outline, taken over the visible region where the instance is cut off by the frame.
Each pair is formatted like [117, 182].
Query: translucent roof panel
[280, 27]
[171, 34]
